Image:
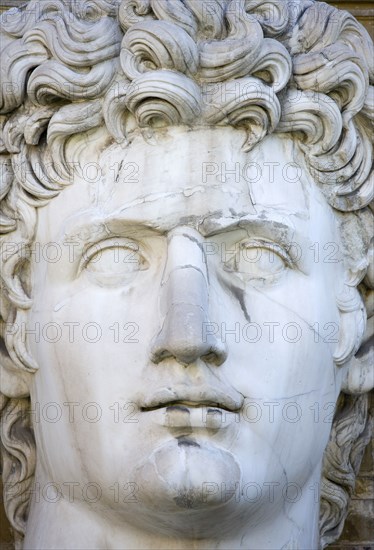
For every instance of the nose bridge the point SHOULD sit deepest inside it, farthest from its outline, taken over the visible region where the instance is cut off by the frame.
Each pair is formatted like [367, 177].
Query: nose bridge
[185, 279]
[184, 301]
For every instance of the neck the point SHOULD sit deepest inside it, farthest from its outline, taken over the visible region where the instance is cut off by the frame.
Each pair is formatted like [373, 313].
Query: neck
[76, 524]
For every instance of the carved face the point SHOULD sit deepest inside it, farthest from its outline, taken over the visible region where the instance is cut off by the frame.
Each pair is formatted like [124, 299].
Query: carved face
[186, 298]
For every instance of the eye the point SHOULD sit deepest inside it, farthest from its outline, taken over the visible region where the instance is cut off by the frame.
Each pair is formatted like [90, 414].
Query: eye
[114, 261]
[258, 259]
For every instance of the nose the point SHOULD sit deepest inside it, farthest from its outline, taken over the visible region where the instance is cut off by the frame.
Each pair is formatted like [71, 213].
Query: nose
[185, 304]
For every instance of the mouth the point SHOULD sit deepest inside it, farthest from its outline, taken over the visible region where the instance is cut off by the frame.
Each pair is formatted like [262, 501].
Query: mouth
[183, 405]
[193, 398]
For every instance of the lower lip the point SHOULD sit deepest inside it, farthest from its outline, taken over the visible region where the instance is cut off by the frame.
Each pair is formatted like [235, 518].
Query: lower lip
[202, 417]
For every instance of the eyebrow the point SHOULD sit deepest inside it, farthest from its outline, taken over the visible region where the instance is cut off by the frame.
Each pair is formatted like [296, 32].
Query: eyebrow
[93, 229]
[246, 222]
[89, 231]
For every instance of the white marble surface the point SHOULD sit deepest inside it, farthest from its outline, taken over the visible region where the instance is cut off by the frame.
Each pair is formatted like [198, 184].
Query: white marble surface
[181, 253]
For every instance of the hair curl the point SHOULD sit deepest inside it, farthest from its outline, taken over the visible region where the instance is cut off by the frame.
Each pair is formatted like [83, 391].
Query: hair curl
[302, 68]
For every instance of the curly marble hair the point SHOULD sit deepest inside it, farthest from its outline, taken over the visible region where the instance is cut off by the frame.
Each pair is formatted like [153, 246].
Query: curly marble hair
[71, 66]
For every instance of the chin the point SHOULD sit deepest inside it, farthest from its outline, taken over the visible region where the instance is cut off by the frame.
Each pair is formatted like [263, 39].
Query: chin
[179, 474]
[179, 489]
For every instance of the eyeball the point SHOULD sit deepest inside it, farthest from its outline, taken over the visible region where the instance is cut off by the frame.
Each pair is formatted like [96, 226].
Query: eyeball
[258, 260]
[114, 262]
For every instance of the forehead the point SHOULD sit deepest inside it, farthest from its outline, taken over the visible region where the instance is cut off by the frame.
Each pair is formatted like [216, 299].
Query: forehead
[201, 178]
[206, 166]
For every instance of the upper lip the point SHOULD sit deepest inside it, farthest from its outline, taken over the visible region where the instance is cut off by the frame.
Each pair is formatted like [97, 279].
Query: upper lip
[228, 400]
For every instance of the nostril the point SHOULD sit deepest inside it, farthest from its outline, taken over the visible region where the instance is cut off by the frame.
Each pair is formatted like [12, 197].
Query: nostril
[216, 356]
[159, 355]
[186, 358]
[181, 355]
[181, 338]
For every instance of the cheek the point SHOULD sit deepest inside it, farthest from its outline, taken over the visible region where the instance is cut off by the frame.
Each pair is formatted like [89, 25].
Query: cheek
[280, 355]
[283, 370]
[96, 339]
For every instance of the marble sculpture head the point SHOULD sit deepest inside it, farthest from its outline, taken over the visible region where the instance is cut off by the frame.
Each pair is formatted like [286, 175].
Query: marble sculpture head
[185, 285]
